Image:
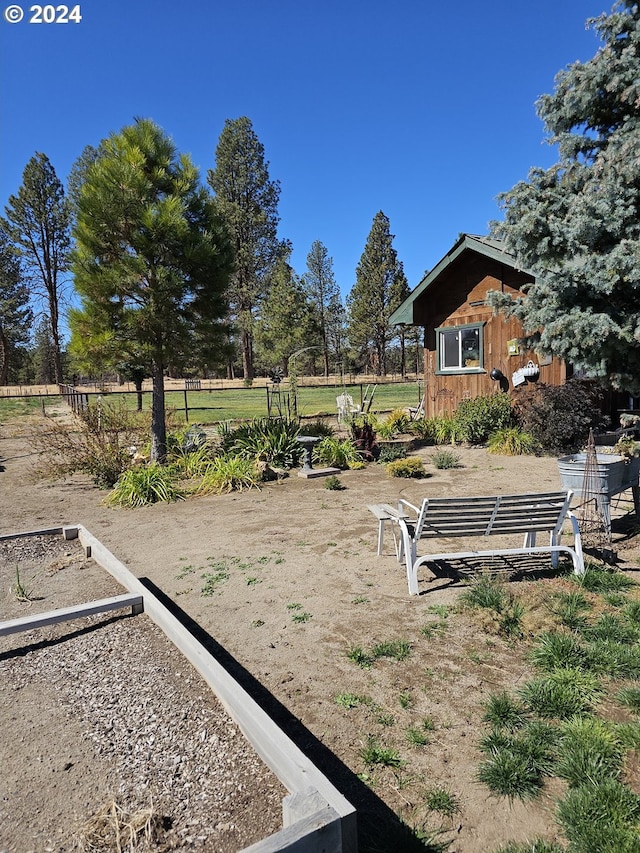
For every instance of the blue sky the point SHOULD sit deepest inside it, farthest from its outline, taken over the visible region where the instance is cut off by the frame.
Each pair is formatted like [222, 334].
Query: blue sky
[423, 110]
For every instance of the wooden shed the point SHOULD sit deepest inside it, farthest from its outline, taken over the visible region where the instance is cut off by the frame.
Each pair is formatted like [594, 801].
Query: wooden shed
[468, 350]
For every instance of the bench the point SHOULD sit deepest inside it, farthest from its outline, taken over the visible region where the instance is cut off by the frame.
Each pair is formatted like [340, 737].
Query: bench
[385, 512]
[497, 515]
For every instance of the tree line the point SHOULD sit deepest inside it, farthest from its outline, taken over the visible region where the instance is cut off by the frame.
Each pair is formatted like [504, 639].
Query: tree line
[129, 224]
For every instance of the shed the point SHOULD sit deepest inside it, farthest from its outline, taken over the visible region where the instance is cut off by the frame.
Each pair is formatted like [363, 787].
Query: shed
[465, 343]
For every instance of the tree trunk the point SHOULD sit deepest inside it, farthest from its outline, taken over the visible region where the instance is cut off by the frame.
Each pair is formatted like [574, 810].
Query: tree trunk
[247, 355]
[138, 384]
[4, 358]
[158, 424]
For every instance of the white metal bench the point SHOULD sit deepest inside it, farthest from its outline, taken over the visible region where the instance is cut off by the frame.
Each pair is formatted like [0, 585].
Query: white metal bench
[497, 515]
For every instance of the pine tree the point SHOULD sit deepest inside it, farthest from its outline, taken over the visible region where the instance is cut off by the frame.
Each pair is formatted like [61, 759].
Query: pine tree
[247, 199]
[369, 302]
[37, 221]
[16, 317]
[152, 260]
[322, 291]
[399, 292]
[284, 320]
[576, 225]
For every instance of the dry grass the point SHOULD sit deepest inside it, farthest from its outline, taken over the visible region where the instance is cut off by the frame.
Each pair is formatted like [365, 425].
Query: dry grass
[113, 828]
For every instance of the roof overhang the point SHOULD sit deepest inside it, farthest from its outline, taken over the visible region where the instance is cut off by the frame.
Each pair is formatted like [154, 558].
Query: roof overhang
[489, 248]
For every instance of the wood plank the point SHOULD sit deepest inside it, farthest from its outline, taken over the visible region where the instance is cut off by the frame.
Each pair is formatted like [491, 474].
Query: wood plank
[65, 614]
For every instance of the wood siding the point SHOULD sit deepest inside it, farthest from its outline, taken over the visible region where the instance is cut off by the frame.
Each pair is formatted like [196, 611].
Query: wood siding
[457, 298]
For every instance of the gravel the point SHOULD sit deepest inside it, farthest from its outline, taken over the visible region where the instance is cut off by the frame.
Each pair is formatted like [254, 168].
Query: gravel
[102, 716]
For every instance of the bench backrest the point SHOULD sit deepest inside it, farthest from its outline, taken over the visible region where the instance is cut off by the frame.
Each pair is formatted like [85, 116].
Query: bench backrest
[494, 515]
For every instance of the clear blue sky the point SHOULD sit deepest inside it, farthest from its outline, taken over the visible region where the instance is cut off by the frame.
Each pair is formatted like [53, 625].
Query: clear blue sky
[421, 109]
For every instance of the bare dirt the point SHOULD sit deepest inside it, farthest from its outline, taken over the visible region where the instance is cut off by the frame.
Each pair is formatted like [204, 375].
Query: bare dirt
[282, 583]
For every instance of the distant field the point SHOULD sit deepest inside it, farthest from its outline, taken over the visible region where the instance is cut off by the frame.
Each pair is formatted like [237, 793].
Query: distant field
[242, 403]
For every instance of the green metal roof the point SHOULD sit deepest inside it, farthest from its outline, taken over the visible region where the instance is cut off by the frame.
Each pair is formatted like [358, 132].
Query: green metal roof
[486, 246]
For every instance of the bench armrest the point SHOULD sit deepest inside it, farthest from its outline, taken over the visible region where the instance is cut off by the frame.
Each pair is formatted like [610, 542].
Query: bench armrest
[403, 503]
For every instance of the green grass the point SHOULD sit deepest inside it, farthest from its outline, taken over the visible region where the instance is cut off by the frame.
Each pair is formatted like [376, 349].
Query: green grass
[562, 693]
[374, 753]
[442, 801]
[207, 407]
[589, 748]
[600, 818]
[11, 407]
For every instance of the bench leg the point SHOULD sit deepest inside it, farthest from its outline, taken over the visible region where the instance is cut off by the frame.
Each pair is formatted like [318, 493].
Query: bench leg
[380, 535]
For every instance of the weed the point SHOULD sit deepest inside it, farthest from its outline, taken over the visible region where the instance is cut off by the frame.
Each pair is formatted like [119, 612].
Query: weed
[441, 610]
[396, 649]
[212, 579]
[357, 655]
[186, 570]
[632, 612]
[294, 605]
[433, 629]
[614, 659]
[257, 623]
[301, 617]
[570, 607]
[360, 599]
[442, 801]
[510, 773]
[373, 753]
[252, 581]
[333, 484]
[351, 700]
[406, 699]
[444, 459]
[510, 621]
[612, 628]
[416, 737]
[385, 719]
[538, 845]
[20, 591]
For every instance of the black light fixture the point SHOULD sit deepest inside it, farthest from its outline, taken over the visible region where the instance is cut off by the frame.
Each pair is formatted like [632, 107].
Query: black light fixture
[496, 374]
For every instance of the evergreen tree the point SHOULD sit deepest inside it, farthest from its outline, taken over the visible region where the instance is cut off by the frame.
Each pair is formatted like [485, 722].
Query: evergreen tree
[43, 361]
[399, 292]
[152, 259]
[283, 325]
[576, 226]
[37, 221]
[370, 299]
[322, 291]
[16, 316]
[247, 199]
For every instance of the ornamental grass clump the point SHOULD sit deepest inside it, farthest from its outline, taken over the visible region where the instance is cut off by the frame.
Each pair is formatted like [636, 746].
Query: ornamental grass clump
[229, 474]
[142, 486]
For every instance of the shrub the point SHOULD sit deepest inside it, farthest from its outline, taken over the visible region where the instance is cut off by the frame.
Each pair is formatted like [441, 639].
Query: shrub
[336, 452]
[559, 417]
[396, 423]
[319, 427]
[363, 435]
[475, 419]
[410, 467]
[511, 441]
[269, 440]
[444, 459]
[390, 454]
[333, 484]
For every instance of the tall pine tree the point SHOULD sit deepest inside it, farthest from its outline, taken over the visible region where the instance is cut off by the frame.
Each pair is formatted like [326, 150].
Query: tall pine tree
[152, 258]
[16, 317]
[576, 226]
[322, 291]
[247, 199]
[370, 300]
[37, 221]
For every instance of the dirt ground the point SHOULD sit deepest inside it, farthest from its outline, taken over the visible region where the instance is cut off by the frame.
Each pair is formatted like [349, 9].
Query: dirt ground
[286, 580]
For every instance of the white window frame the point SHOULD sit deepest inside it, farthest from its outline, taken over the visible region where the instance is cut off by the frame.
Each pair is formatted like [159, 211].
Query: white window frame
[442, 331]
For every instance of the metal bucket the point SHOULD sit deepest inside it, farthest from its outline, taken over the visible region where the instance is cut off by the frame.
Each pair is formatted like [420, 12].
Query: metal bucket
[611, 470]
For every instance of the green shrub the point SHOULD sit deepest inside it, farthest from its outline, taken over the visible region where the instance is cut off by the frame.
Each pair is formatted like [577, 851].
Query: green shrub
[333, 484]
[562, 693]
[559, 416]
[318, 428]
[445, 459]
[396, 423]
[336, 452]
[141, 486]
[390, 454]
[511, 441]
[410, 467]
[269, 440]
[477, 418]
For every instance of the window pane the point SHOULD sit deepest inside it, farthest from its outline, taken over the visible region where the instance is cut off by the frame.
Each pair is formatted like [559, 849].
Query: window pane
[471, 347]
[450, 342]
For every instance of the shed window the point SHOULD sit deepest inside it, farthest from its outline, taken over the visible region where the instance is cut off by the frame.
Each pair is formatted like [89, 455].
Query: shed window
[460, 348]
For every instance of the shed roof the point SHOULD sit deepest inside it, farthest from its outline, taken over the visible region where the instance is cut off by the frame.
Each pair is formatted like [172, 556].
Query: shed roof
[486, 246]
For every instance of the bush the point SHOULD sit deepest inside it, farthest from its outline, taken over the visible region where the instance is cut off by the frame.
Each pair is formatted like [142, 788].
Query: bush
[444, 459]
[142, 486]
[336, 453]
[410, 467]
[395, 424]
[474, 420]
[319, 427]
[559, 417]
[265, 440]
[390, 454]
